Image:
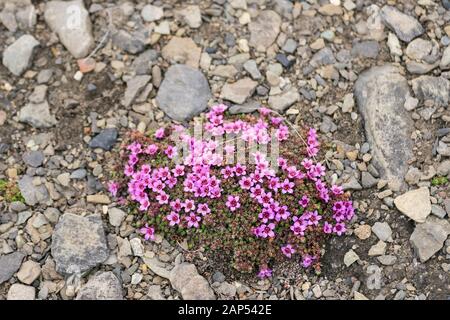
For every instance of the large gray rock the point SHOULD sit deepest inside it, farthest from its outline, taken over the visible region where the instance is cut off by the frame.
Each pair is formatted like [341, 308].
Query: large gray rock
[192, 286]
[428, 238]
[183, 93]
[70, 21]
[380, 93]
[432, 88]
[264, 29]
[18, 56]
[9, 264]
[37, 115]
[102, 286]
[405, 27]
[78, 243]
[33, 194]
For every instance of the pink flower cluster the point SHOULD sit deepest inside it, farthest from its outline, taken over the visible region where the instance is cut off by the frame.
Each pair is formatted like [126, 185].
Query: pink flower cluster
[203, 172]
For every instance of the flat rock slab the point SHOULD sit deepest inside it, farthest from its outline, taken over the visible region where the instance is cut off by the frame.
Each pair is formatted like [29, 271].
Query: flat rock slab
[183, 93]
[238, 91]
[102, 286]
[78, 243]
[18, 56]
[37, 115]
[182, 50]
[432, 88]
[264, 29]
[9, 264]
[380, 94]
[21, 292]
[415, 204]
[70, 21]
[405, 27]
[192, 286]
[429, 237]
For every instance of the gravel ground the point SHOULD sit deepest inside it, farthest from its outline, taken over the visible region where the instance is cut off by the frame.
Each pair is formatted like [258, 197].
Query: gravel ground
[371, 76]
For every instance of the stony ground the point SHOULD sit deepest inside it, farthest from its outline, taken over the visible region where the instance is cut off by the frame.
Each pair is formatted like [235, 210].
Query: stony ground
[372, 76]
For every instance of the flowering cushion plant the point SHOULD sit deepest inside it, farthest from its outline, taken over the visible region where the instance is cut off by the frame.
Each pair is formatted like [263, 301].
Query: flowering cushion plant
[251, 213]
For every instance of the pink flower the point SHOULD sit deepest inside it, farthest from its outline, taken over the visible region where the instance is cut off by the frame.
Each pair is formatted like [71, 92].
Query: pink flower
[307, 260]
[233, 203]
[288, 250]
[267, 230]
[171, 152]
[264, 111]
[151, 149]
[336, 190]
[327, 228]
[339, 228]
[178, 171]
[239, 170]
[113, 187]
[246, 183]
[189, 205]
[128, 170]
[203, 209]
[287, 186]
[159, 134]
[264, 273]
[227, 172]
[304, 201]
[162, 197]
[176, 205]
[173, 218]
[148, 232]
[193, 220]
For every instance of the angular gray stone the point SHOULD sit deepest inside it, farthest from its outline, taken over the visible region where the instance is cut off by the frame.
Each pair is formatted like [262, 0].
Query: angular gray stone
[9, 264]
[247, 107]
[31, 193]
[33, 158]
[380, 94]
[322, 57]
[191, 15]
[152, 13]
[101, 286]
[428, 237]
[252, 68]
[37, 115]
[264, 29]
[366, 49]
[78, 243]
[432, 88]
[284, 100]
[18, 56]
[105, 139]
[116, 216]
[184, 93]
[238, 91]
[405, 27]
[192, 286]
[367, 180]
[70, 21]
[415, 204]
[134, 87]
[128, 42]
[383, 231]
